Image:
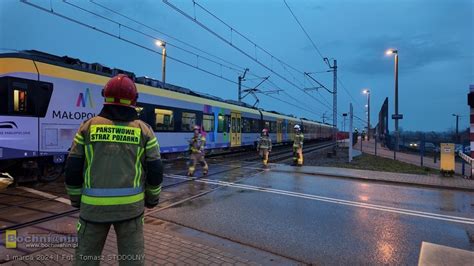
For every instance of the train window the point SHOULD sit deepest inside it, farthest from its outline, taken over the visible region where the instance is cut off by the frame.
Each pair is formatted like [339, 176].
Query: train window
[220, 123]
[208, 122]
[267, 125]
[188, 121]
[239, 125]
[273, 128]
[246, 125]
[255, 126]
[234, 124]
[24, 97]
[164, 120]
[19, 100]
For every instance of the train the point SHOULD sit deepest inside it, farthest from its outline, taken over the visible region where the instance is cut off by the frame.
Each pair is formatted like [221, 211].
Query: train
[44, 99]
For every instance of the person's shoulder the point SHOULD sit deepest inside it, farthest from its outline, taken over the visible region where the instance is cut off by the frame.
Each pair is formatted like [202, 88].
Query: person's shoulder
[145, 127]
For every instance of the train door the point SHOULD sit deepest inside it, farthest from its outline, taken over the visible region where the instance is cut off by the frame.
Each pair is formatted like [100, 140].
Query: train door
[279, 130]
[235, 129]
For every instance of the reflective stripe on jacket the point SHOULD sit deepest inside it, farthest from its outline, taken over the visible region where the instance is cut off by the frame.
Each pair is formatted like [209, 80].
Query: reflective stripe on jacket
[197, 144]
[298, 140]
[265, 142]
[114, 177]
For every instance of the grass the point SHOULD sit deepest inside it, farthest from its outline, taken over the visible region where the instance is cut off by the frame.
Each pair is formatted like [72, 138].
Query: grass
[375, 163]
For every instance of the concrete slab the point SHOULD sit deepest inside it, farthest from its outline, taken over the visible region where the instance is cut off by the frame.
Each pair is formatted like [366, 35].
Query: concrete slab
[433, 254]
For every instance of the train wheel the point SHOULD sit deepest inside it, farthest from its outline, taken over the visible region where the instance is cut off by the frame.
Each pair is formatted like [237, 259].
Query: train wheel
[51, 172]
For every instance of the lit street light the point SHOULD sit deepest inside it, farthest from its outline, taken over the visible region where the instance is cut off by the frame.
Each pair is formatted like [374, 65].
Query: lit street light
[396, 116]
[162, 44]
[367, 91]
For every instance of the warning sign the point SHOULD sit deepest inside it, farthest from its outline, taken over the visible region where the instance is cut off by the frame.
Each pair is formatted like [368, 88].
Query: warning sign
[113, 133]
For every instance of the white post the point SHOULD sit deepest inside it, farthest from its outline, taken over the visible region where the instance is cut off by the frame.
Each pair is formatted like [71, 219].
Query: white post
[351, 117]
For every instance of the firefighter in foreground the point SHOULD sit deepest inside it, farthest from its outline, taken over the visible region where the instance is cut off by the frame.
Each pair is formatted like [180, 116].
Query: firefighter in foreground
[197, 145]
[264, 146]
[113, 171]
[298, 146]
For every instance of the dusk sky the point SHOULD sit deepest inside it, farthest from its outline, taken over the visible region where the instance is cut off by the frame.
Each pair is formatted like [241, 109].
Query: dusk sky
[434, 38]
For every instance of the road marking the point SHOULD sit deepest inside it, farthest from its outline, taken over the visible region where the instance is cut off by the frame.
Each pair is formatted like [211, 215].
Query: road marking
[429, 215]
[46, 195]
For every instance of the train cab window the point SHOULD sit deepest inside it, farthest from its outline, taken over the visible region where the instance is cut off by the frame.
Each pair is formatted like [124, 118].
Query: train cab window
[239, 125]
[164, 120]
[24, 97]
[208, 122]
[19, 100]
[188, 121]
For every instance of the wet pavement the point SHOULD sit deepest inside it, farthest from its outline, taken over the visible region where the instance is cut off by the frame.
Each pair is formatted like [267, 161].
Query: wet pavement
[306, 218]
[316, 219]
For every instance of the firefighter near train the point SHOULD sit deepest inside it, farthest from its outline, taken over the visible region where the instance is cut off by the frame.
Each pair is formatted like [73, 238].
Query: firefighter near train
[197, 146]
[264, 147]
[113, 172]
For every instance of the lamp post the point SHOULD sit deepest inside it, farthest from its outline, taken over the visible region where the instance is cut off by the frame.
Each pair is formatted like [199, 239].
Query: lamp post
[397, 116]
[367, 92]
[162, 44]
[344, 115]
[457, 127]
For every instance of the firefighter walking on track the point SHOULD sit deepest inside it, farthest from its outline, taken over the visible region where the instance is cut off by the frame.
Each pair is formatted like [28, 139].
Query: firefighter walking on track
[298, 146]
[264, 146]
[197, 145]
[113, 172]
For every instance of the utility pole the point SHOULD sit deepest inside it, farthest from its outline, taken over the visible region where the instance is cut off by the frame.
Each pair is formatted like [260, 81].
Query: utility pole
[457, 127]
[351, 135]
[344, 115]
[396, 116]
[241, 78]
[334, 98]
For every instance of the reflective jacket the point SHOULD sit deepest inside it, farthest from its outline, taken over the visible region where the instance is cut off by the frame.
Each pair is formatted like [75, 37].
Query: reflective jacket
[114, 166]
[197, 144]
[264, 142]
[298, 140]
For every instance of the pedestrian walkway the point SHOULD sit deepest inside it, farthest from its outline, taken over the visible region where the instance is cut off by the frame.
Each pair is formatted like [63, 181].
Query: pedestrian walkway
[410, 179]
[415, 159]
[166, 244]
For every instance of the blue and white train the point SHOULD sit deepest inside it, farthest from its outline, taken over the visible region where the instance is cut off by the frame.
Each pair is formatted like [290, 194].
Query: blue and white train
[44, 98]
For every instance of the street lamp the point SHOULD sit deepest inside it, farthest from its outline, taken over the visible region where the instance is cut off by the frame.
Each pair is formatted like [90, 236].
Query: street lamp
[457, 128]
[367, 92]
[162, 44]
[396, 116]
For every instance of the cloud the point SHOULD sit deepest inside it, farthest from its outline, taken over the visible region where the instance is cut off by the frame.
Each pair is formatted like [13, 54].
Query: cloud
[415, 51]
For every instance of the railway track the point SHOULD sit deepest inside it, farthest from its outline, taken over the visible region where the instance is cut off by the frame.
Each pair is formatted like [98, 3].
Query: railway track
[277, 156]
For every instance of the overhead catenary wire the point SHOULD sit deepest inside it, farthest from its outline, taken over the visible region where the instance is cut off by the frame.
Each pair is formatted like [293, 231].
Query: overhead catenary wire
[165, 34]
[129, 42]
[198, 56]
[142, 24]
[195, 20]
[305, 32]
[317, 49]
[126, 40]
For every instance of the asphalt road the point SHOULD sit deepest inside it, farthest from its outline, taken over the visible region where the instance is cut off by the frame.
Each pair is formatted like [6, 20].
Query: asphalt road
[315, 219]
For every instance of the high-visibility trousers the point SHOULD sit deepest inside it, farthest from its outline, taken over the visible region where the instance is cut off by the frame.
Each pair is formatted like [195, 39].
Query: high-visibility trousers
[194, 158]
[92, 237]
[264, 155]
[298, 155]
